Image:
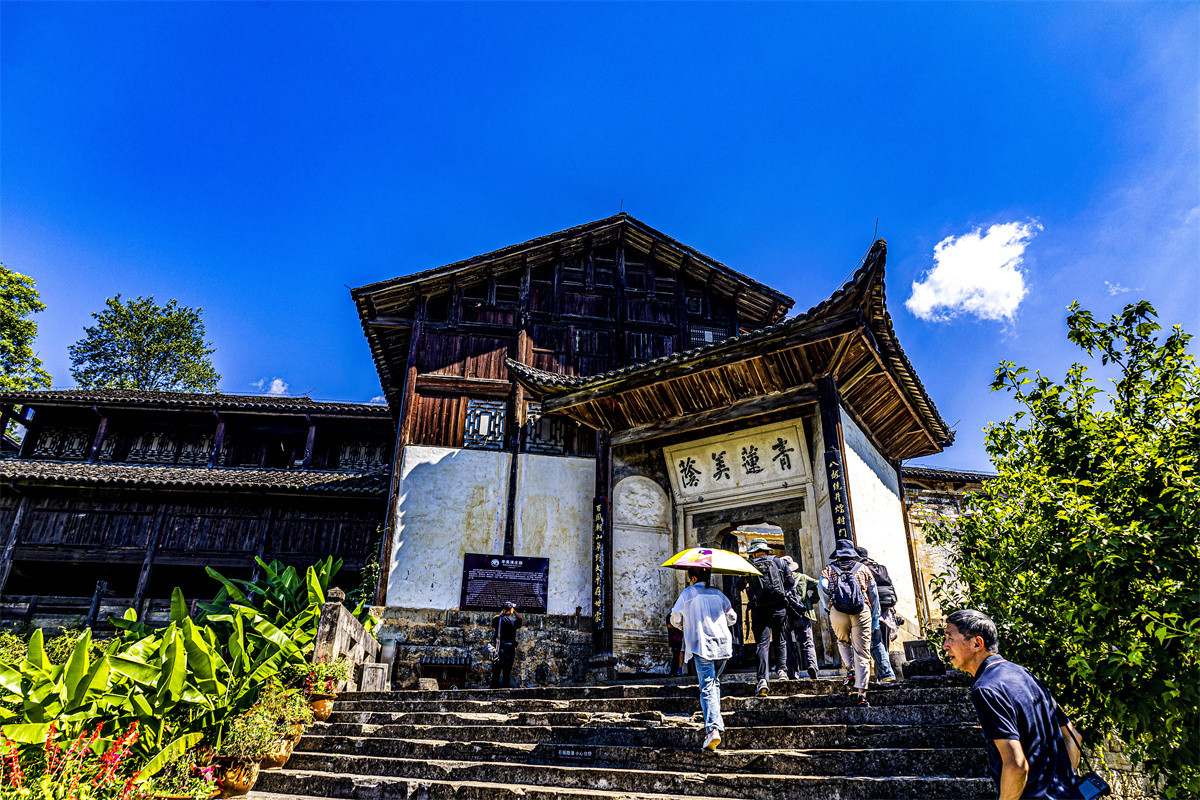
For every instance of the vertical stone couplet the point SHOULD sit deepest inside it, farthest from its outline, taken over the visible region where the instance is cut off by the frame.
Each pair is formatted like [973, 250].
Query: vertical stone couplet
[835, 458]
[602, 551]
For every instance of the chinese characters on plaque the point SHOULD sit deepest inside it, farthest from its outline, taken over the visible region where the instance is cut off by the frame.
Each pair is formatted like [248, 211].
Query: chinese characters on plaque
[836, 472]
[770, 456]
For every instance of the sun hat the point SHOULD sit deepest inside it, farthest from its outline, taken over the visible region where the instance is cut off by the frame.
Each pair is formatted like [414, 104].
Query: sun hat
[757, 545]
[845, 550]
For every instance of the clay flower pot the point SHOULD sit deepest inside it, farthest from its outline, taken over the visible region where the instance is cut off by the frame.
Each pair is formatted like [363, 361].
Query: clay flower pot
[237, 777]
[279, 755]
[321, 705]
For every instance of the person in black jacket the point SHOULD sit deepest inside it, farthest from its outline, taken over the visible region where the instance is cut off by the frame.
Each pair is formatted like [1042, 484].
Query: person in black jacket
[885, 631]
[768, 610]
[504, 637]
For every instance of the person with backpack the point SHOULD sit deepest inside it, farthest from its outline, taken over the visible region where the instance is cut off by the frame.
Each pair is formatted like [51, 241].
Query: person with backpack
[802, 613]
[768, 610]
[884, 629]
[850, 589]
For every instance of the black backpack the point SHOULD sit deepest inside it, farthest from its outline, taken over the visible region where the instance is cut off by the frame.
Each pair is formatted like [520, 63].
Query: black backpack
[846, 595]
[883, 583]
[769, 591]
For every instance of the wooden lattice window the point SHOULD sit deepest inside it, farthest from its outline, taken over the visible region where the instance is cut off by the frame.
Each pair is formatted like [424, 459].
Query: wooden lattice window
[545, 434]
[485, 424]
[702, 334]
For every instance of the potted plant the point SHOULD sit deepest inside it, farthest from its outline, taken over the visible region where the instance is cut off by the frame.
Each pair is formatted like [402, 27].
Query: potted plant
[247, 740]
[321, 685]
[290, 710]
[191, 776]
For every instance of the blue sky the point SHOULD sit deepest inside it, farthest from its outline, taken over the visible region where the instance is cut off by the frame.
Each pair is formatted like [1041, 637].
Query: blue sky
[256, 159]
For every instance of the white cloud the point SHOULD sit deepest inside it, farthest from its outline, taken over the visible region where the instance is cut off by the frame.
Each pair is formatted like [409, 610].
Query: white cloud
[380, 400]
[276, 386]
[977, 273]
[1116, 288]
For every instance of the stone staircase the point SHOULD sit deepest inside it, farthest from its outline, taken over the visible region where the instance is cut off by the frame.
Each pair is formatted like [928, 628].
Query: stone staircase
[918, 741]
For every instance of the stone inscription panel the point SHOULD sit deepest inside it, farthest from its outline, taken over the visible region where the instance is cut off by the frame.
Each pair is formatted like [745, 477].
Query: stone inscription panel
[491, 580]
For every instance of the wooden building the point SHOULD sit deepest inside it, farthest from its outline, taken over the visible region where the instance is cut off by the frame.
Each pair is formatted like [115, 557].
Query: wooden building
[606, 395]
[142, 490]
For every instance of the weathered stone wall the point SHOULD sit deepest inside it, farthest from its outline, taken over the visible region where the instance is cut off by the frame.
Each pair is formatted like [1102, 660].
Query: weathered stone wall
[451, 502]
[1129, 781]
[644, 593]
[554, 521]
[924, 508]
[552, 649]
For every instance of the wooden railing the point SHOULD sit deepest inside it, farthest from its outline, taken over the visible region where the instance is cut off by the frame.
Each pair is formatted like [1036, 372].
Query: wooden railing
[340, 634]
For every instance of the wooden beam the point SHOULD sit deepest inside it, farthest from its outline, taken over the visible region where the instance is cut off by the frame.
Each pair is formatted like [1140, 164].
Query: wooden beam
[874, 351]
[260, 542]
[94, 608]
[602, 550]
[836, 359]
[143, 584]
[720, 357]
[6, 559]
[309, 442]
[391, 322]
[452, 384]
[794, 397]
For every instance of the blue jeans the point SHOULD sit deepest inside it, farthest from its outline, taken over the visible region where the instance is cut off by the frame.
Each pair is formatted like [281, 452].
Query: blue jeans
[710, 691]
[879, 652]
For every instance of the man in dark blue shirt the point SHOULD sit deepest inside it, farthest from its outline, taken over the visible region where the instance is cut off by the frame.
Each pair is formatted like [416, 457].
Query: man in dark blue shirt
[1032, 746]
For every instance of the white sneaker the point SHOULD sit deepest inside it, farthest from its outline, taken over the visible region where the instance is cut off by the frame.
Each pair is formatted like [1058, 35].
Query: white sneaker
[781, 675]
[713, 740]
[762, 689]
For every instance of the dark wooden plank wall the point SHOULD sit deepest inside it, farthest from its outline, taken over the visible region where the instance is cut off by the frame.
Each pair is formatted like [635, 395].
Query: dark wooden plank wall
[581, 321]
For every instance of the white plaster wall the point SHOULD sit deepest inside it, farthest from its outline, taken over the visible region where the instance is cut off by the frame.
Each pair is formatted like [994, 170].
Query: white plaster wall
[644, 593]
[878, 512]
[452, 501]
[553, 520]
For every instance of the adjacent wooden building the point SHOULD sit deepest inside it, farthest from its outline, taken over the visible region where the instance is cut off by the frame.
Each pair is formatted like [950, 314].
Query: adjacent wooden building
[142, 490]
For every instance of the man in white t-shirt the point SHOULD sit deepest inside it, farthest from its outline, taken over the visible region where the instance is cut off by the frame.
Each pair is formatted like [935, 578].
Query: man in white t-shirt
[704, 615]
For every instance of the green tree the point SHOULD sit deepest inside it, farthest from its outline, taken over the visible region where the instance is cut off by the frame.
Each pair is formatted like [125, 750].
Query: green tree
[19, 367]
[1084, 549]
[140, 345]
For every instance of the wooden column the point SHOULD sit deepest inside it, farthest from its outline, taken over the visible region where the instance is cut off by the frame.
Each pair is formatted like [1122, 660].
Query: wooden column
[30, 439]
[98, 439]
[6, 559]
[156, 528]
[681, 305]
[94, 609]
[517, 430]
[408, 402]
[308, 444]
[260, 542]
[622, 307]
[5, 417]
[835, 458]
[602, 550]
[218, 441]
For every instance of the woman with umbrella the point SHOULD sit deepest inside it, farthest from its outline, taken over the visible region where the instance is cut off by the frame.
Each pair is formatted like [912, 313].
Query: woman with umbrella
[704, 615]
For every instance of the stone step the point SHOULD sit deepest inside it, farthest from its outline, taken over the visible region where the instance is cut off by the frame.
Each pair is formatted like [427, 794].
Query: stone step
[942, 714]
[961, 762]
[334, 776]
[682, 703]
[287, 785]
[731, 688]
[682, 735]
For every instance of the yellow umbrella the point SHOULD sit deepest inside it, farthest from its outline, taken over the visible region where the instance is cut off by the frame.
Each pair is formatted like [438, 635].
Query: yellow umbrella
[722, 562]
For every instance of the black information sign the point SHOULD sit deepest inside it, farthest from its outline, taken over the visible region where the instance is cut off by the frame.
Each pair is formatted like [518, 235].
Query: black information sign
[835, 471]
[490, 580]
[599, 510]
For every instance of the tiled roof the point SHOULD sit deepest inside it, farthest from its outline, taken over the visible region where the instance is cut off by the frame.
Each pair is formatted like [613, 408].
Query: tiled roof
[77, 473]
[934, 473]
[203, 401]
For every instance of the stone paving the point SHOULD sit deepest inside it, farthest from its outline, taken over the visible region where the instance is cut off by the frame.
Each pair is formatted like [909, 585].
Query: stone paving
[808, 740]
